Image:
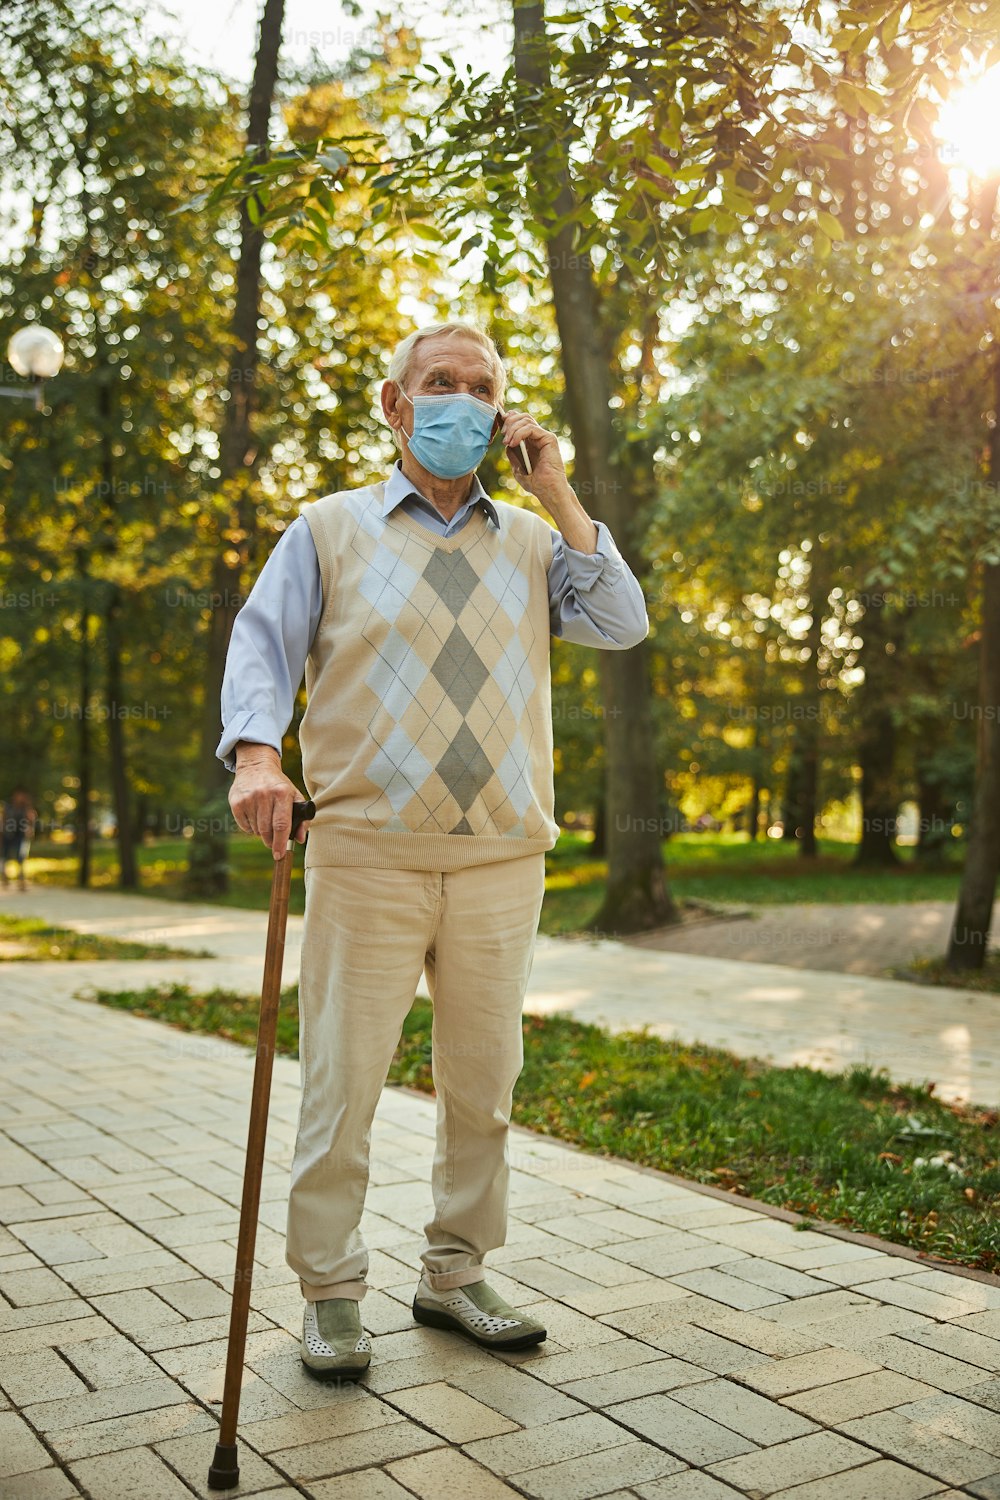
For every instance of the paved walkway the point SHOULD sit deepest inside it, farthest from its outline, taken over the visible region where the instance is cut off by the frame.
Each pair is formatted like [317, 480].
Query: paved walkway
[699, 1349]
[770, 1010]
[856, 937]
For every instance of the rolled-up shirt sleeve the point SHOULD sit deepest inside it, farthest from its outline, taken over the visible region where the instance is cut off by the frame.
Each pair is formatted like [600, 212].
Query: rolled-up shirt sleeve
[594, 597]
[271, 638]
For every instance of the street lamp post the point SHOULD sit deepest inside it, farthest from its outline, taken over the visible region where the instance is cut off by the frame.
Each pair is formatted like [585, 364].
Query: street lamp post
[37, 354]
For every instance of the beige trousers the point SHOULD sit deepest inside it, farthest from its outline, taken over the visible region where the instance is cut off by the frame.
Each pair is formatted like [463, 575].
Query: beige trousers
[367, 935]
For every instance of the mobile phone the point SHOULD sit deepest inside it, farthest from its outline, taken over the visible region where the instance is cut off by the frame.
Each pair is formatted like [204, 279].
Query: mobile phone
[522, 451]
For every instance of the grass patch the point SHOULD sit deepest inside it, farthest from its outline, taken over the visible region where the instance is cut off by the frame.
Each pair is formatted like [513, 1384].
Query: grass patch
[724, 868]
[851, 1148]
[30, 938]
[935, 971]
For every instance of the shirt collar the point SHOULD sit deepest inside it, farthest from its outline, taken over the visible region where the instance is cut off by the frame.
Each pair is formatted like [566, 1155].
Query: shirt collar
[398, 488]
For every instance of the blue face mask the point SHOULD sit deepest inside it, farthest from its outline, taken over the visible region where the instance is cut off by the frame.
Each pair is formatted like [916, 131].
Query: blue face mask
[450, 433]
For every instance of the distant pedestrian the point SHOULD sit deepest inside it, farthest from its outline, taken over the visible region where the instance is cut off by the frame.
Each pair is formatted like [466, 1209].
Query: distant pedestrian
[18, 826]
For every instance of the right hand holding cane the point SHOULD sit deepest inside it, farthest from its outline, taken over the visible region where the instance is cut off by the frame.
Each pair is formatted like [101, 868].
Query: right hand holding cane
[261, 797]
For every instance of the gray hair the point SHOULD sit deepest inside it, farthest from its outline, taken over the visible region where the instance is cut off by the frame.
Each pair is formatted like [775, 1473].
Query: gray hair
[402, 355]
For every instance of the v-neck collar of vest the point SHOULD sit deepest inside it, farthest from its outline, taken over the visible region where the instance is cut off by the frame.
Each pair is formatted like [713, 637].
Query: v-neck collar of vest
[399, 518]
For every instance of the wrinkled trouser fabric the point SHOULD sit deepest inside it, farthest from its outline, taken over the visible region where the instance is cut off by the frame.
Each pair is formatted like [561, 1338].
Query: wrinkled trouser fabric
[367, 935]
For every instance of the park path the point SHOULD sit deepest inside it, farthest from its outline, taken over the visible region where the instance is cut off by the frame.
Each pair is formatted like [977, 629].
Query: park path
[701, 1346]
[784, 1014]
[856, 937]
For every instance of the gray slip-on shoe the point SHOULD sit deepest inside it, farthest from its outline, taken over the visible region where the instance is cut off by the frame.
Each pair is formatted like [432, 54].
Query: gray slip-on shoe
[478, 1313]
[334, 1344]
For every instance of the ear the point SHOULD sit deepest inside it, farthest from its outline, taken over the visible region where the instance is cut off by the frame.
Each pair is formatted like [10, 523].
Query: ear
[390, 404]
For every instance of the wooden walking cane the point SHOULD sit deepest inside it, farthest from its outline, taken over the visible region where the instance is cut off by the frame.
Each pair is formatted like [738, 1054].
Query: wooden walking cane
[224, 1473]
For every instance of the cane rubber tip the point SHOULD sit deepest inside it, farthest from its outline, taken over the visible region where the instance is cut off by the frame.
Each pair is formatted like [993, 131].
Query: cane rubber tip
[225, 1471]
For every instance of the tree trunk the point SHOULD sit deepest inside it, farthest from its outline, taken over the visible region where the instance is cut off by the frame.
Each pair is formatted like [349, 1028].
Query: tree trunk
[599, 843]
[128, 873]
[877, 743]
[82, 833]
[208, 873]
[791, 802]
[935, 816]
[753, 814]
[970, 931]
[971, 926]
[637, 895]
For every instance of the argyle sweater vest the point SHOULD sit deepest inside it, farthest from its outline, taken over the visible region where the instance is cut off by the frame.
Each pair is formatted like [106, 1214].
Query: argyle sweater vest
[427, 736]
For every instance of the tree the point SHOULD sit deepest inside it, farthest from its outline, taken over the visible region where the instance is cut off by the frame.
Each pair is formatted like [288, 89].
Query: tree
[208, 873]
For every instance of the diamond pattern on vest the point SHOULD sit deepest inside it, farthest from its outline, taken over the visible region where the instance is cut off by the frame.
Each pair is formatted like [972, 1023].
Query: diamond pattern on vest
[450, 634]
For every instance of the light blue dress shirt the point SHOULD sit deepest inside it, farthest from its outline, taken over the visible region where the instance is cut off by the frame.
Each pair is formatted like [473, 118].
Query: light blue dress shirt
[594, 600]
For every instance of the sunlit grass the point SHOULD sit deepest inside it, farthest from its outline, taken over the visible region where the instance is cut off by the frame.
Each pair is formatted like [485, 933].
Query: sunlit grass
[713, 867]
[26, 938]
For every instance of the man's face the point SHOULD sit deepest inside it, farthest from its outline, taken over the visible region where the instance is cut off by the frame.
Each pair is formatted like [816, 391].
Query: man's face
[445, 365]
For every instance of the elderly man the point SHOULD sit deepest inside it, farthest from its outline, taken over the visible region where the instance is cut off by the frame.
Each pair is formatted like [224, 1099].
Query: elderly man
[420, 611]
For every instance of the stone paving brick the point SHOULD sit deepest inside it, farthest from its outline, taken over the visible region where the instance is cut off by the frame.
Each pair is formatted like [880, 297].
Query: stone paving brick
[124, 1476]
[27, 1288]
[580, 1478]
[577, 1364]
[515, 1395]
[196, 1299]
[56, 1247]
[909, 1358]
[40, 1484]
[671, 1251]
[758, 1331]
[803, 1372]
[100, 1404]
[133, 1430]
[710, 1351]
[787, 1464]
[571, 1329]
[398, 1374]
[607, 1299]
[774, 1277]
[572, 1437]
[24, 1376]
[860, 1272]
[55, 1335]
[310, 1461]
[905, 1291]
[729, 1290]
[201, 1331]
[958, 1418]
[443, 1472]
[641, 1380]
[687, 1433]
[114, 1361]
[24, 1261]
[593, 1266]
[138, 1312]
[960, 1343]
[152, 1269]
[986, 1323]
[855, 1330]
[689, 1485]
[844, 1399]
[454, 1414]
[987, 1394]
[984, 1489]
[755, 1417]
[362, 1484]
[951, 1284]
[921, 1444]
[348, 1409]
[20, 1450]
[882, 1480]
[822, 1308]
